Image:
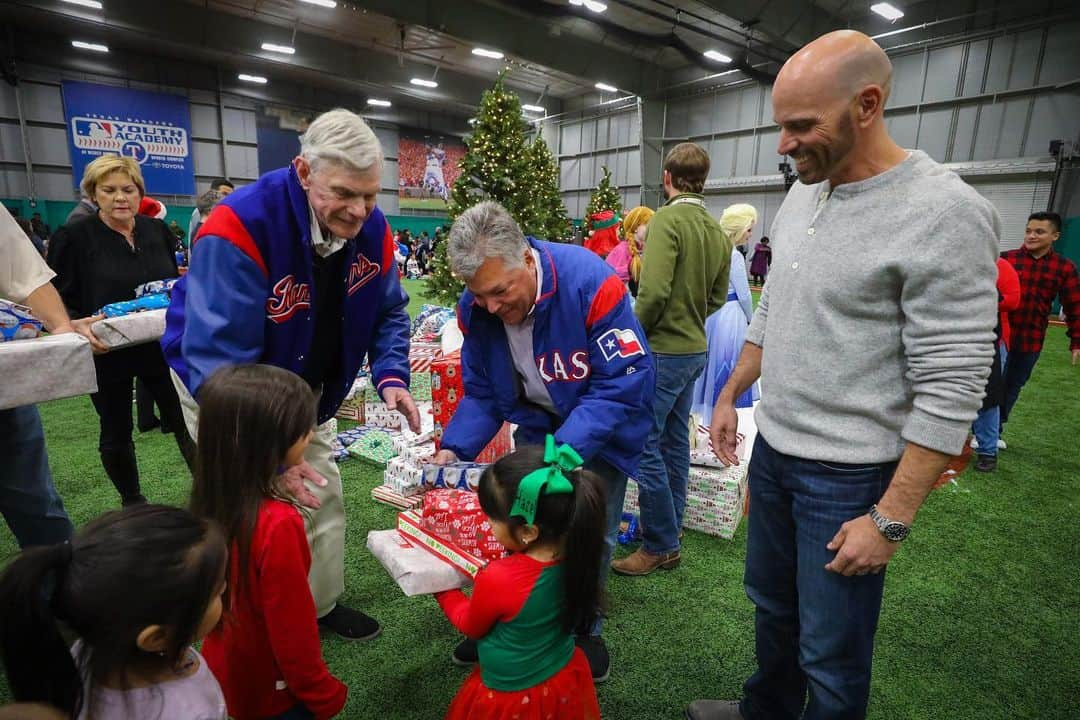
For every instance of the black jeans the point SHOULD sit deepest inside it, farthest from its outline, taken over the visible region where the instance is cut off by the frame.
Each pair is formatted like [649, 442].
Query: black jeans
[116, 373]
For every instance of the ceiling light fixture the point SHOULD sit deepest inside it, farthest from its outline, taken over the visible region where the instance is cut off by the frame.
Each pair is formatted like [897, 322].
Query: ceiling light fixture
[283, 49]
[424, 83]
[606, 88]
[93, 4]
[321, 3]
[887, 11]
[484, 52]
[592, 5]
[533, 108]
[252, 78]
[379, 103]
[717, 56]
[96, 47]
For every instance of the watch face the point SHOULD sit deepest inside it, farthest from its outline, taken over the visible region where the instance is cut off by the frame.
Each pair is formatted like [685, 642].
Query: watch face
[895, 531]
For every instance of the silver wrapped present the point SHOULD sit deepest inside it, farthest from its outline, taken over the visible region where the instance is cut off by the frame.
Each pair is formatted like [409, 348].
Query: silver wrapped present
[45, 368]
[133, 329]
[415, 570]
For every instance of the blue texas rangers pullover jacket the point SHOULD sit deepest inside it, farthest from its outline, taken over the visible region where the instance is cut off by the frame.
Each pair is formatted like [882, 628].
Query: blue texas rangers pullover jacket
[248, 294]
[592, 356]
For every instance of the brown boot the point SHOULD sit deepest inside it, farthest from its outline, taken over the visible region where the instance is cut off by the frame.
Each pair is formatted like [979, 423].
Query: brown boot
[643, 562]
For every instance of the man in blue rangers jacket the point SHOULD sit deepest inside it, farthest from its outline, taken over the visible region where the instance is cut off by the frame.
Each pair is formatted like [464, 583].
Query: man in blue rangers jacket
[551, 344]
[297, 270]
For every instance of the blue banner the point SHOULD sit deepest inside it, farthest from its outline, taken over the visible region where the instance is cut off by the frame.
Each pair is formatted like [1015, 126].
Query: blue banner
[153, 128]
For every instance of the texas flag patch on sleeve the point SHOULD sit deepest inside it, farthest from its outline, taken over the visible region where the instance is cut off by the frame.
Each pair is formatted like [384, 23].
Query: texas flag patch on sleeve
[619, 343]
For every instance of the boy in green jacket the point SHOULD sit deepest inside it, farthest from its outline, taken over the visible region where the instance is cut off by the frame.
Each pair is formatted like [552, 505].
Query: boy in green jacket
[684, 279]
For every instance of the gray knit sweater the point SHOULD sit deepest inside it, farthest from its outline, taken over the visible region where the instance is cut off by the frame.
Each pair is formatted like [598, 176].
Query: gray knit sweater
[877, 320]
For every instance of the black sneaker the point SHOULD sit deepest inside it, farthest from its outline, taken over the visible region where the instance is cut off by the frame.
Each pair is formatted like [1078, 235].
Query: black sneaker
[596, 653]
[350, 624]
[465, 654]
[986, 463]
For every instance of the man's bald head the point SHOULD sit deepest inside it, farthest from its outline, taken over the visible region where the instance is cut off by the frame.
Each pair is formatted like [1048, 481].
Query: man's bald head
[837, 65]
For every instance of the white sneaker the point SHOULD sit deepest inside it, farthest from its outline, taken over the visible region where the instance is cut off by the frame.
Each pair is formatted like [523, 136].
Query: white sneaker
[974, 444]
[1001, 444]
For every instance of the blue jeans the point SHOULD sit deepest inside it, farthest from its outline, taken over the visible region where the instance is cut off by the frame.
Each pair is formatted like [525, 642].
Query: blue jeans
[665, 463]
[1017, 372]
[814, 629]
[616, 493]
[987, 425]
[29, 502]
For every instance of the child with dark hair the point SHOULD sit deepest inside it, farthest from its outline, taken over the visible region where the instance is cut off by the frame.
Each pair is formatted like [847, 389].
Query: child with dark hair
[255, 420]
[137, 587]
[526, 608]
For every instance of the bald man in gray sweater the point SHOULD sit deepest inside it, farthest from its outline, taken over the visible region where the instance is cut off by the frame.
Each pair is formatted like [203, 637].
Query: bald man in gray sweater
[873, 339]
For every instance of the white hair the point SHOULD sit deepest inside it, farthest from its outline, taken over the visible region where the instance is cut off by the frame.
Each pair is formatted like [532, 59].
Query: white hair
[342, 137]
[484, 231]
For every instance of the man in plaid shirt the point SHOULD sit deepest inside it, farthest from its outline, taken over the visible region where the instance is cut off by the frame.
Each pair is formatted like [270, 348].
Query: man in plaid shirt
[1043, 274]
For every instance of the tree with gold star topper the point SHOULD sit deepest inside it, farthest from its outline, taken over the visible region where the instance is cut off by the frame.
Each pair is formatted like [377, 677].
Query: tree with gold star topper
[496, 167]
[605, 196]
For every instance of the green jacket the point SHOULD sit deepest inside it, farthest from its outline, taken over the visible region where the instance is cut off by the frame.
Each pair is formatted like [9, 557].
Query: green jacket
[684, 275]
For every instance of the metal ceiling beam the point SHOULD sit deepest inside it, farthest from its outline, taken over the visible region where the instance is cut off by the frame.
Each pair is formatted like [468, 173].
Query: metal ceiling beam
[517, 33]
[182, 30]
[786, 24]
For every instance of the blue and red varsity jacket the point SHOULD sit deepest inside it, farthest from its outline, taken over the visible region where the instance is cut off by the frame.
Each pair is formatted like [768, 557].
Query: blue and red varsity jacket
[590, 351]
[247, 296]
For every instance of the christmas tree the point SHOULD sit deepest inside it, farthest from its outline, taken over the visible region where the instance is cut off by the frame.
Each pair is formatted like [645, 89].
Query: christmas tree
[496, 167]
[605, 196]
[550, 219]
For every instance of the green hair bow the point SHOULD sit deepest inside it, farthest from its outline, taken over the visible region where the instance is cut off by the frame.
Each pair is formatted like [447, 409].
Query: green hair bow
[548, 480]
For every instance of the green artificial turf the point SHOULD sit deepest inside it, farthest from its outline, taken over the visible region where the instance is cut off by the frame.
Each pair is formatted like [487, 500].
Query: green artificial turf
[980, 618]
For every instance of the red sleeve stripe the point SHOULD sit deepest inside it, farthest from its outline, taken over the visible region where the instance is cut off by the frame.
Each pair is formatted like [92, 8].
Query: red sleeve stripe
[224, 223]
[388, 250]
[609, 295]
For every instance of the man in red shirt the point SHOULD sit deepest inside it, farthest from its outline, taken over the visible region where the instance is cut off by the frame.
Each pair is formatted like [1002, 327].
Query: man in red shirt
[1044, 274]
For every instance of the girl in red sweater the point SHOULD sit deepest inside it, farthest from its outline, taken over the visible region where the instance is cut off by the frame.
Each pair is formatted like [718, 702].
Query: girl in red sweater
[255, 420]
[526, 608]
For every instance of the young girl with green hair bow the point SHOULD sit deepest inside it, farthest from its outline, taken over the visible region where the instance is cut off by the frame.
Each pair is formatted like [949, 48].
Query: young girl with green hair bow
[526, 608]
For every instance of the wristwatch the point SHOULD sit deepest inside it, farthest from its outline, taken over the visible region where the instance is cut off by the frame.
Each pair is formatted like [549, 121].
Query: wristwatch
[892, 530]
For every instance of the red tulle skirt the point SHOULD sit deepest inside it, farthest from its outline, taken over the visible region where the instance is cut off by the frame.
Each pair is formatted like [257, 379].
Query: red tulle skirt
[567, 695]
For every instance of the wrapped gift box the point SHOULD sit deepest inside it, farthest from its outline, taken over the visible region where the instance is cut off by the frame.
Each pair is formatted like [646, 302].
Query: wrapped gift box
[17, 322]
[387, 496]
[411, 524]
[447, 391]
[404, 477]
[715, 500]
[414, 569]
[376, 414]
[430, 321]
[416, 454]
[420, 386]
[156, 286]
[338, 451]
[456, 515]
[45, 368]
[374, 445]
[133, 329]
[455, 476]
[155, 301]
[421, 355]
[352, 407]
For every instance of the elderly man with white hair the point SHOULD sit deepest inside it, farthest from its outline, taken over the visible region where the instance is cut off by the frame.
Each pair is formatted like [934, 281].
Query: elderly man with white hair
[297, 270]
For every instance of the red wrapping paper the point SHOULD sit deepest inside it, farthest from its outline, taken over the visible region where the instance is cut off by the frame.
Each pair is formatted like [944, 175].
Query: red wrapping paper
[447, 390]
[456, 516]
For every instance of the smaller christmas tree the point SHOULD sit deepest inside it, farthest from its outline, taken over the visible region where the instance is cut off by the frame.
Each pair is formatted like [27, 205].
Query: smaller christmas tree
[550, 220]
[605, 196]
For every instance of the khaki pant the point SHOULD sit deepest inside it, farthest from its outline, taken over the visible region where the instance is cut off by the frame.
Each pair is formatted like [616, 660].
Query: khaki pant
[325, 526]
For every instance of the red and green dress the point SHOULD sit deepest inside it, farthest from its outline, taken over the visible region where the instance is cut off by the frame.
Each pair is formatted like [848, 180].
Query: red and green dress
[529, 668]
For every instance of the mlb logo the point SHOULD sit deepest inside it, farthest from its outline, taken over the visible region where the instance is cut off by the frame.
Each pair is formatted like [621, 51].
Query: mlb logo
[620, 343]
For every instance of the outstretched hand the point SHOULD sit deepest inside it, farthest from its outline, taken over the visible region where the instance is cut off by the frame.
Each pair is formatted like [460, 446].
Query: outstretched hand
[723, 432]
[399, 399]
